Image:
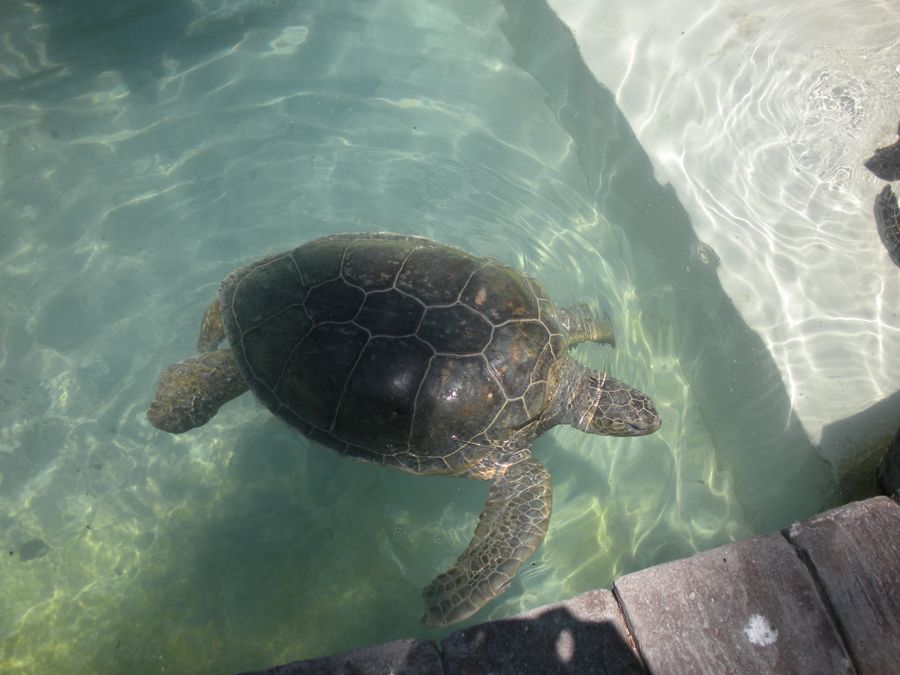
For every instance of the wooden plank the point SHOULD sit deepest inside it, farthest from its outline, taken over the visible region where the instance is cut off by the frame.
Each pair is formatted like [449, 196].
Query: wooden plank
[855, 551]
[584, 635]
[749, 607]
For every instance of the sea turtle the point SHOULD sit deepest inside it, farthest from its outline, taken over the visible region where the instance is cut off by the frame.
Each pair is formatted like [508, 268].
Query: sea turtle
[887, 222]
[885, 164]
[412, 354]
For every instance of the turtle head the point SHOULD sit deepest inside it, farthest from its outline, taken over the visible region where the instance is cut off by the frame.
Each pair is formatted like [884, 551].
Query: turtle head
[618, 410]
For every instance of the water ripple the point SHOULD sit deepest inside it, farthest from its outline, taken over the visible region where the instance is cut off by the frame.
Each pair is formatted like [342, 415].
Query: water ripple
[761, 116]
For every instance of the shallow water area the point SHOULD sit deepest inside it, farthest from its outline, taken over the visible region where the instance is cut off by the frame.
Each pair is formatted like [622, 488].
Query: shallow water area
[151, 148]
[761, 116]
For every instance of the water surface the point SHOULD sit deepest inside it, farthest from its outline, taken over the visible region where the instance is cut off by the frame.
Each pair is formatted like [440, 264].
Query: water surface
[152, 147]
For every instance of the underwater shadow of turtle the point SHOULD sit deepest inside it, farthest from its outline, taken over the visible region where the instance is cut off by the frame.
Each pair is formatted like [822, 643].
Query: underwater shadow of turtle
[408, 353]
[885, 163]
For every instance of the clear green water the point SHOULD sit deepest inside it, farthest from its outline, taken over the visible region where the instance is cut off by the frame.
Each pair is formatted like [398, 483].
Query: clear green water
[150, 148]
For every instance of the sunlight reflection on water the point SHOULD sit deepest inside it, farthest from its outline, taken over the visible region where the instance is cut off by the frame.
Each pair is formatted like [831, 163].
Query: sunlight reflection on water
[150, 151]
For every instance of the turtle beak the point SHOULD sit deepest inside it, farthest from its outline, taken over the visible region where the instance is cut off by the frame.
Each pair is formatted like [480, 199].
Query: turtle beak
[645, 426]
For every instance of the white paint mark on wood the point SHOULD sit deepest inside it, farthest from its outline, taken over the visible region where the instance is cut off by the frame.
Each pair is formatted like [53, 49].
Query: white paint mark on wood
[760, 632]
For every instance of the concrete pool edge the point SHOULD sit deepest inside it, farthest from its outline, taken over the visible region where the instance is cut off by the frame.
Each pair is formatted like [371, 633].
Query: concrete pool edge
[814, 597]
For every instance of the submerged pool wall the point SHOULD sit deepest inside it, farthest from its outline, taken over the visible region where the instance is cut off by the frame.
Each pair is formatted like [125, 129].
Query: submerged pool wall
[731, 373]
[761, 116]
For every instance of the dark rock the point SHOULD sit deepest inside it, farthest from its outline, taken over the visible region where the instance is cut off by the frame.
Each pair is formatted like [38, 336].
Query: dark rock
[749, 607]
[888, 474]
[586, 634]
[403, 657]
[33, 549]
[855, 551]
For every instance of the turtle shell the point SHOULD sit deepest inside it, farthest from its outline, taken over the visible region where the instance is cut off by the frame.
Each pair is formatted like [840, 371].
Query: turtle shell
[394, 349]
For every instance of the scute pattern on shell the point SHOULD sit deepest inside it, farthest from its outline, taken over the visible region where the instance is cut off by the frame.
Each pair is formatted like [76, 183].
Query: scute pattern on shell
[393, 349]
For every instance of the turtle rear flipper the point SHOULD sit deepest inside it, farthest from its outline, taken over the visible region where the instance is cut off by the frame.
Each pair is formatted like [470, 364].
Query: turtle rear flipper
[509, 531]
[191, 391]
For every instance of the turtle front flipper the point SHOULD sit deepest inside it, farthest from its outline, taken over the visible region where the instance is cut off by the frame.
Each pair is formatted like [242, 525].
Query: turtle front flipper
[191, 391]
[509, 531]
[582, 326]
